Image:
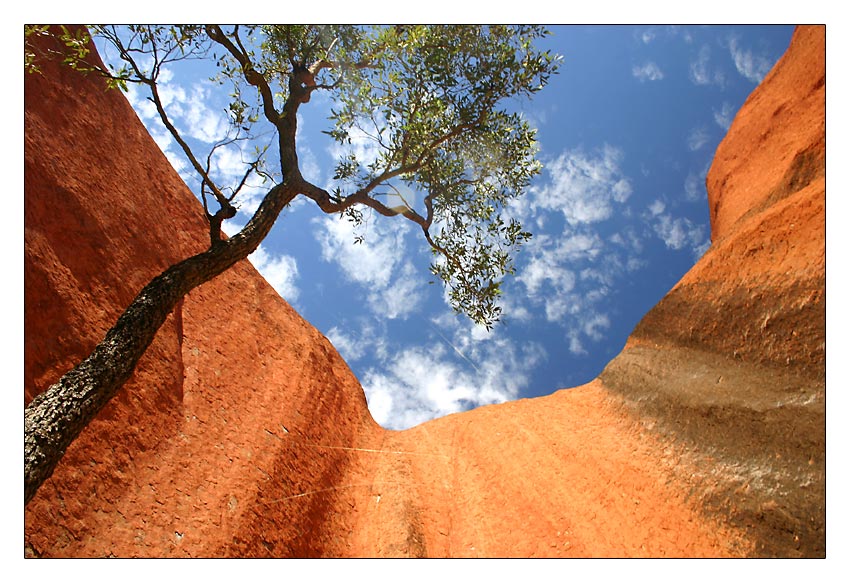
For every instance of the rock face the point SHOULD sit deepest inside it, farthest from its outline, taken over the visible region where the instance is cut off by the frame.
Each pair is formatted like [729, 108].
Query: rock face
[243, 432]
[732, 361]
[182, 462]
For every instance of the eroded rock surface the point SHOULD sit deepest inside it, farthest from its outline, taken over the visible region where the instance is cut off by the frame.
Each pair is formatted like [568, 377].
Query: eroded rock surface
[243, 432]
[192, 456]
[732, 361]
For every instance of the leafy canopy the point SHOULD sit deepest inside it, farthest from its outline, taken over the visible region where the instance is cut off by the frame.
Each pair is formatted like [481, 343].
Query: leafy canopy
[436, 102]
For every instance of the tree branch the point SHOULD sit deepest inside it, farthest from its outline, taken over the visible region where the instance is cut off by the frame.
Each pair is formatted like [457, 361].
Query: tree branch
[252, 76]
[57, 416]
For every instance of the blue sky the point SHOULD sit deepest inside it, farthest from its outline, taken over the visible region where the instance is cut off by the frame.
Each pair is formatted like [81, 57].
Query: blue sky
[627, 132]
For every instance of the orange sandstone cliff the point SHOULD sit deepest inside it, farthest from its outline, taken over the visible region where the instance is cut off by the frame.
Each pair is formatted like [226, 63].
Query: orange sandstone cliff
[244, 433]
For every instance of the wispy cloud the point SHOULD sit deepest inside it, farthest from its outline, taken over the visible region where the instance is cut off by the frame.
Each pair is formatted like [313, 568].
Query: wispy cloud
[199, 120]
[362, 144]
[677, 232]
[378, 264]
[356, 344]
[585, 188]
[401, 297]
[370, 263]
[307, 160]
[650, 34]
[694, 188]
[695, 184]
[281, 271]
[647, 72]
[752, 66]
[550, 258]
[723, 117]
[567, 275]
[421, 384]
[460, 370]
[657, 207]
[350, 348]
[701, 71]
[591, 325]
[628, 240]
[150, 118]
[570, 276]
[647, 35]
[191, 108]
[187, 106]
[697, 138]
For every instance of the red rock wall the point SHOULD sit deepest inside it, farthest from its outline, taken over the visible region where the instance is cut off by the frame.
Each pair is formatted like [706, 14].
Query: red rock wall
[732, 362]
[758, 294]
[187, 458]
[776, 144]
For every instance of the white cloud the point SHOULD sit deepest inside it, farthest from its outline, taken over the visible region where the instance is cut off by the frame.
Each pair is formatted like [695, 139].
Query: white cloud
[699, 250]
[148, 115]
[363, 145]
[568, 275]
[355, 345]
[701, 71]
[369, 263]
[697, 138]
[280, 271]
[571, 276]
[679, 232]
[590, 326]
[695, 184]
[693, 187]
[307, 161]
[143, 107]
[401, 297]
[203, 122]
[228, 168]
[558, 307]
[187, 108]
[420, 383]
[752, 66]
[350, 347]
[635, 263]
[725, 115]
[594, 323]
[309, 165]
[201, 125]
[546, 268]
[548, 265]
[629, 240]
[699, 68]
[378, 264]
[575, 346]
[584, 188]
[657, 207]
[647, 72]
[231, 227]
[648, 35]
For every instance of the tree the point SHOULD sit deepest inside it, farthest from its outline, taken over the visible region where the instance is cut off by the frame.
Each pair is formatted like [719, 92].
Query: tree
[433, 98]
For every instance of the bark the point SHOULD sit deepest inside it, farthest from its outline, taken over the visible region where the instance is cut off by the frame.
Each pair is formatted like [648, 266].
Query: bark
[57, 416]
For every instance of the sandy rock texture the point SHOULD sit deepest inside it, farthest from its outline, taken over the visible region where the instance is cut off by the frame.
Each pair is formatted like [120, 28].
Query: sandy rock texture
[244, 433]
[180, 462]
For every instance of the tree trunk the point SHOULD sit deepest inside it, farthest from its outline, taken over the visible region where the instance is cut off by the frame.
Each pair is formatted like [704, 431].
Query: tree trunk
[57, 416]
